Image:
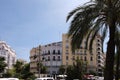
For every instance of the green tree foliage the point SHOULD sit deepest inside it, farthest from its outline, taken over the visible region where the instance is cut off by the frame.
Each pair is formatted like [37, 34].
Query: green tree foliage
[18, 68]
[62, 69]
[22, 71]
[43, 69]
[9, 73]
[96, 16]
[76, 71]
[2, 65]
[26, 74]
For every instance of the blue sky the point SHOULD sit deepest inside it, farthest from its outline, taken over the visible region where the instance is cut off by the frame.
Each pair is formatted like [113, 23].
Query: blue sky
[25, 24]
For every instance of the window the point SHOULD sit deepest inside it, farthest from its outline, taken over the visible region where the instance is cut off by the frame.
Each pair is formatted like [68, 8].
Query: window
[53, 51]
[73, 57]
[85, 53]
[98, 48]
[98, 57]
[58, 58]
[43, 58]
[98, 53]
[2, 47]
[100, 70]
[66, 57]
[53, 58]
[48, 58]
[58, 51]
[99, 65]
[91, 58]
[67, 46]
[98, 40]
[85, 59]
[99, 61]
[48, 51]
[98, 44]
[66, 51]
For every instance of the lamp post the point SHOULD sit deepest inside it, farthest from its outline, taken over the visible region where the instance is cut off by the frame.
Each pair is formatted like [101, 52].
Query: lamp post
[39, 60]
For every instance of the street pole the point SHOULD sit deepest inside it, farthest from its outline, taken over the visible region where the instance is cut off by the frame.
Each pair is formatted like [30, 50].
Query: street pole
[39, 61]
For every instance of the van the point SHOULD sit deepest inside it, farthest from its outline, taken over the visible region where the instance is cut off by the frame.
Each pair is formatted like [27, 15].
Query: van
[45, 78]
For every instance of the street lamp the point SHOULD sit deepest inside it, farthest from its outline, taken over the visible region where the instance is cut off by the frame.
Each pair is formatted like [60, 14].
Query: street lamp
[39, 49]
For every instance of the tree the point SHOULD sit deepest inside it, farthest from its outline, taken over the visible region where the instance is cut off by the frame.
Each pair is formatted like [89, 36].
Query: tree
[22, 71]
[42, 68]
[9, 73]
[62, 69]
[76, 71]
[18, 68]
[26, 74]
[2, 65]
[94, 17]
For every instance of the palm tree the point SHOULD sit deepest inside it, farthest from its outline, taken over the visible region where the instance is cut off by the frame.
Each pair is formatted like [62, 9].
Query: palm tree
[94, 17]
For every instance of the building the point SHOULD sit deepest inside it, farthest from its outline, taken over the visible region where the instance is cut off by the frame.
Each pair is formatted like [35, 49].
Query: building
[95, 59]
[52, 56]
[49, 55]
[59, 53]
[8, 53]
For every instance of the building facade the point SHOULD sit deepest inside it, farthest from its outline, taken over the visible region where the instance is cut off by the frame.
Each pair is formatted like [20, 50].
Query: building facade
[95, 59]
[8, 53]
[60, 53]
[49, 55]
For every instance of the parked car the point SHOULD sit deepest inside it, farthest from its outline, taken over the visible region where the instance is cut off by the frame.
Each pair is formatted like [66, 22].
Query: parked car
[9, 79]
[3, 79]
[45, 78]
[12, 79]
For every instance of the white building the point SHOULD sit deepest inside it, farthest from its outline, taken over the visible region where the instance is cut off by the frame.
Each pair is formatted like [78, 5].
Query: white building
[51, 56]
[8, 53]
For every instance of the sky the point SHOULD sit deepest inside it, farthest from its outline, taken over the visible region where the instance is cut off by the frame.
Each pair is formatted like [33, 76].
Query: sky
[25, 24]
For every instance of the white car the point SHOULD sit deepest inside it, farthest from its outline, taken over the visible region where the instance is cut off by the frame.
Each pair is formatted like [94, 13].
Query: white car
[9, 79]
[45, 78]
[100, 78]
[12, 79]
[3, 79]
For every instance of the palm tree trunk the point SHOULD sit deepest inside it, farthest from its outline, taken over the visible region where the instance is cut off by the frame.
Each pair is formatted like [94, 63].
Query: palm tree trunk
[110, 53]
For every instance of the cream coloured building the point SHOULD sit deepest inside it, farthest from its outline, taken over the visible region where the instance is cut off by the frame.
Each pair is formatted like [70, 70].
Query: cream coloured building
[34, 58]
[95, 59]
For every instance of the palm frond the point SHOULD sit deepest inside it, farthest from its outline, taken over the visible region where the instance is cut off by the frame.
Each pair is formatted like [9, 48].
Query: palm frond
[73, 12]
[104, 33]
